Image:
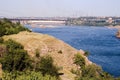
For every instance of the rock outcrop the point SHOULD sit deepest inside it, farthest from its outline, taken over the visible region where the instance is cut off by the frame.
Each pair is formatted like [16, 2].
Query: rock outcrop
[118, 34]
[61, 52]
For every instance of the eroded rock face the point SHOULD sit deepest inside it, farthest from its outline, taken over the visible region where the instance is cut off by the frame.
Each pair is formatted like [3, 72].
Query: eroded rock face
[118, 34]
[61, 52]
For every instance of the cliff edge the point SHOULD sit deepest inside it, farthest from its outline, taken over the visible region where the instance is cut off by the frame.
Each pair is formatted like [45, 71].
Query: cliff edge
[61, 52]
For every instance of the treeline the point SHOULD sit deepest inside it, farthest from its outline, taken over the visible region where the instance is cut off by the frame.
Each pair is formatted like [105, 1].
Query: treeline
[90, 21]
[7, 27]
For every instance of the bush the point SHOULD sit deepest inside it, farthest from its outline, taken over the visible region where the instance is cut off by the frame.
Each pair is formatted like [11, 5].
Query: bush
[46, 66]
[29, 75]
[93, 72]
[13, 45]
[86, 53]
[90, 71]
[16, 57]
[7, 27]
[79, 60]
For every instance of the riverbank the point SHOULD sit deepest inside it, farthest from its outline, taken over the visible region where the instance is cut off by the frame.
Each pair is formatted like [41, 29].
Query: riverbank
[117, 27]
[99, 41]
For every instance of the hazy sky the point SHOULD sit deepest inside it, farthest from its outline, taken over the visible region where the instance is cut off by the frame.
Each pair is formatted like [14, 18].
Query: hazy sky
[52, 8]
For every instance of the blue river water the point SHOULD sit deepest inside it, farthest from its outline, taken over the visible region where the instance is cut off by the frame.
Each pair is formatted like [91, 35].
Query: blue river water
[101, 42]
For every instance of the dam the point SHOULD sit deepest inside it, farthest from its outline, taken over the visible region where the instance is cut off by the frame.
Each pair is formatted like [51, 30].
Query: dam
[39, 21]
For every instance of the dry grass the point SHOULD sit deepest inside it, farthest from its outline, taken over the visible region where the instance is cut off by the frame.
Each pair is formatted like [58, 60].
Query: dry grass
[46, 44]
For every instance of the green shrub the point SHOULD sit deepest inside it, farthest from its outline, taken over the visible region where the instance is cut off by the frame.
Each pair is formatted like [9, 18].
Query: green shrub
[90, 71]
[46, 66]
[86, 53]
[16, 57]
[93, 72]
[29, 75]
[7, 27]
[79, 60]
[10, 44]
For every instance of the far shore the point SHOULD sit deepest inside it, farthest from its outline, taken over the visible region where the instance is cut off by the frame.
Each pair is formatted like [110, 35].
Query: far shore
[117, 27]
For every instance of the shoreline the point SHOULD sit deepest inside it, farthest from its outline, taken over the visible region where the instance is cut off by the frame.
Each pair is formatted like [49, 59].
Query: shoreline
[116, 27]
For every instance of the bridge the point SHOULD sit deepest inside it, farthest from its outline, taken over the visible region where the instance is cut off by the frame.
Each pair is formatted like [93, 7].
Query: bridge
[39, 21]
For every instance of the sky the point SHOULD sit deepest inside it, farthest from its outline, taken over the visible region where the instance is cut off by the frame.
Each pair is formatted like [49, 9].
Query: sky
[59, 8]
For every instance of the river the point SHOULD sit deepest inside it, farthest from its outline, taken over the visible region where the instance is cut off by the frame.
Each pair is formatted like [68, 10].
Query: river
[101, 42]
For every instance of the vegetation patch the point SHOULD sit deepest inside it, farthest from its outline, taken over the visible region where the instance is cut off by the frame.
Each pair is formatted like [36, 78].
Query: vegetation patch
[89, 72]
[86, 53]
[16, 62]
[79, 60]
[46, 66]
[28, 75]
[16, 58]
[7, 27]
